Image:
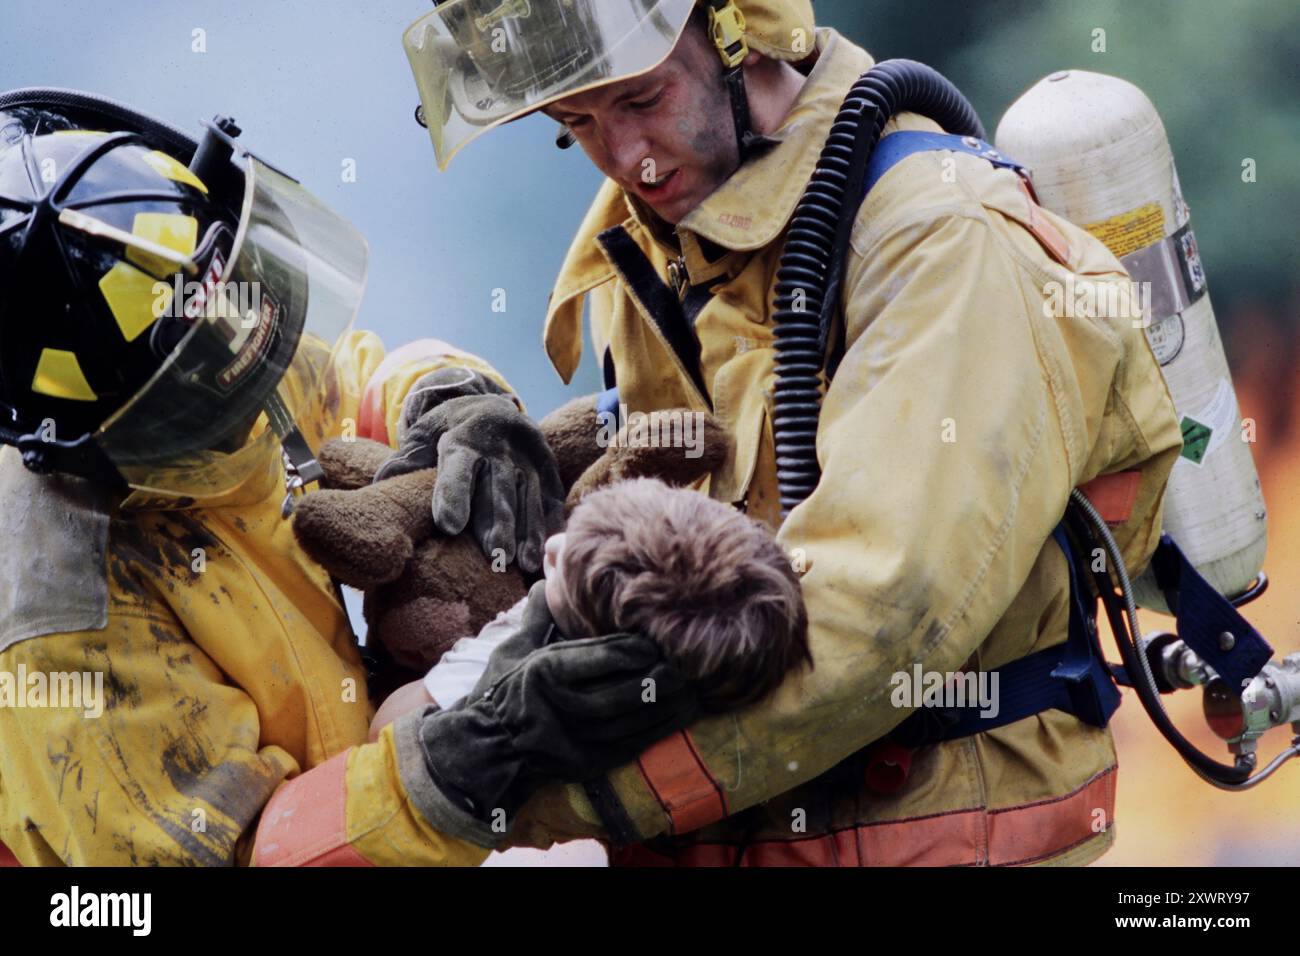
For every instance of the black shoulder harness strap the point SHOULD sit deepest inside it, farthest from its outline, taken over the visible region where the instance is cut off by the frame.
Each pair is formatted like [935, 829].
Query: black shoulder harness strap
[674, 319]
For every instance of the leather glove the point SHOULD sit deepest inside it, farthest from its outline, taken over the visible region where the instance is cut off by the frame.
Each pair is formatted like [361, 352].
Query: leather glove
[546, 709]
[496, 474]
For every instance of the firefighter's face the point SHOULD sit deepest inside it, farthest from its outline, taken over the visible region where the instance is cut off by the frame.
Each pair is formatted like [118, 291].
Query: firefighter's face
[666, 136]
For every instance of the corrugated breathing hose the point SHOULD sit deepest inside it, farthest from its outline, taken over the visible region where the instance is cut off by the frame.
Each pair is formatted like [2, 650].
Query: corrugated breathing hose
[811, 268]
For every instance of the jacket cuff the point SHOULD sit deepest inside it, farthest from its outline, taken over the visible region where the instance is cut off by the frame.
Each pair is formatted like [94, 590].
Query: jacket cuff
[436, 388]
[432, 803]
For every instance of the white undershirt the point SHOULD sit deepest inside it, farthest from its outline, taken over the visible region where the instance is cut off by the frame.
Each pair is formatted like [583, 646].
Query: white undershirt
[458, 671]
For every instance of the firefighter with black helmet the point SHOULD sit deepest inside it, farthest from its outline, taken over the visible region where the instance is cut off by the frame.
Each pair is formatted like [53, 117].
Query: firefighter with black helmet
[175, 339]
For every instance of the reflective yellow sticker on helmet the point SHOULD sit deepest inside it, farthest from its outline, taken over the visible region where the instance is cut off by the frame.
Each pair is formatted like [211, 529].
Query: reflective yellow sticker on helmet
[58, 374]
[169, 229]
[170, 167]
[132, 299]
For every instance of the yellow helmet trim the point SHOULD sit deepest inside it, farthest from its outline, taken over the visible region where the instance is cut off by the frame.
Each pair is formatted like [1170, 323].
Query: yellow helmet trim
[59, 375]
[131, 298]
[172, 230]
[173, 169]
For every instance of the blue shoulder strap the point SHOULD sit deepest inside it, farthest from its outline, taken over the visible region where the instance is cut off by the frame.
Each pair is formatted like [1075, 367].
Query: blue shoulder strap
[896, 147]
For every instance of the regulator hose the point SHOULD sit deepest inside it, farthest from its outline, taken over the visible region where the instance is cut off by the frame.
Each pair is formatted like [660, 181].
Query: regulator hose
[1121, 611]
[810, 271]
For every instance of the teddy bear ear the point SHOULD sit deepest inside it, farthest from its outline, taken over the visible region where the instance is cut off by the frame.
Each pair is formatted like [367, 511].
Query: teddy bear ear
[353, 535]
[684, 454]
[572, 431]
[350, 464]
[704, 446]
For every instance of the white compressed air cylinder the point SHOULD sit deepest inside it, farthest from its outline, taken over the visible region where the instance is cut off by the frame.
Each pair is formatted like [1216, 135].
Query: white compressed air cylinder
[1100, 157]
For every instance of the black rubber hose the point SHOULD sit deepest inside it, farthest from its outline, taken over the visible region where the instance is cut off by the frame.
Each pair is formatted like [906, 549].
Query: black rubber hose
[1111, 595]
[808, 278]
[1149, 698]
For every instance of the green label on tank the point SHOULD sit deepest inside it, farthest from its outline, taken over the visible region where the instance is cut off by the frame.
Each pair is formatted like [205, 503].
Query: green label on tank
[1196, 439]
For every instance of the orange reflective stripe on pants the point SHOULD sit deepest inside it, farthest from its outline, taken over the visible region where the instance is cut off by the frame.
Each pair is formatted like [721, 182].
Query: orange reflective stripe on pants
[1013, 836]
[305, 823]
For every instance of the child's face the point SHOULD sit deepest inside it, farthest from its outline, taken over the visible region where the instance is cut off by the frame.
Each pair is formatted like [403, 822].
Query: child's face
[553, 571]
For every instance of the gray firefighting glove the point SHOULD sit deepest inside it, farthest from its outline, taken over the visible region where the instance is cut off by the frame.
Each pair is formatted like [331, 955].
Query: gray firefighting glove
[496, 474]
[546, 709]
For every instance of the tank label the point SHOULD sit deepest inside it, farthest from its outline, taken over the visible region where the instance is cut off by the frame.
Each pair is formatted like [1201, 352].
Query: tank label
[1189, 257]
[1210, 428]
[1130, 231]
[1182, 214]
[1171, 271]
[1166, 337]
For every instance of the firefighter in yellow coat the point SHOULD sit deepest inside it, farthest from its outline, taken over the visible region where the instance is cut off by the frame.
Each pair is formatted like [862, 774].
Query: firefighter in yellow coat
[961, 416]
[166, 332]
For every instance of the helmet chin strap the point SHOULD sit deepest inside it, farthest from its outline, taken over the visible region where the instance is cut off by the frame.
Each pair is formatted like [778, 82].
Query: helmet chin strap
[300, 465]
[81, 457]
[727, 30]
[85, 459]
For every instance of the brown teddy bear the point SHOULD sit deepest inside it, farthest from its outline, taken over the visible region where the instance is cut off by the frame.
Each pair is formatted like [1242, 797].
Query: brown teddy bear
[424, 590]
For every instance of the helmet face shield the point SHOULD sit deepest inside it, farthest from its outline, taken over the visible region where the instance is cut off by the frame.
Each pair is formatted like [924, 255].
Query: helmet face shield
[481, 63]
[258, 328]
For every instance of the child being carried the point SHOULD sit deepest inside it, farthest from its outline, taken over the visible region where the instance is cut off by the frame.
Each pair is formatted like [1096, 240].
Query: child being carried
[707, 584]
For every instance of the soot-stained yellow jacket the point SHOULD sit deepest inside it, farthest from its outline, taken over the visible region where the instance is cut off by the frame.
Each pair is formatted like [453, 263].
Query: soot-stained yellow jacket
[227, 662]
[950, 438]
[961, 417]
